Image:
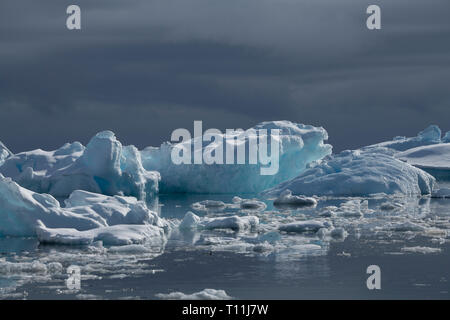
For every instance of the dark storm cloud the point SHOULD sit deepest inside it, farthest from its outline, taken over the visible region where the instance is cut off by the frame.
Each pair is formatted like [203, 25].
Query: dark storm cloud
[143, 68]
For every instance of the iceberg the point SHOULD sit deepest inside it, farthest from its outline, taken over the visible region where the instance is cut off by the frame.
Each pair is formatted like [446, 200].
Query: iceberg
[4, 153]
[24, 212]
[431, 135]
[434, 159]
[358, 173]
[103, 166]
[299, 145]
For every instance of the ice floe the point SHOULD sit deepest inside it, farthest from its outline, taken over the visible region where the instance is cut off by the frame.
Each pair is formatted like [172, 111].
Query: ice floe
[87, 217]
[236, 223]
[304, 226]
[287, 199]
[206, 294]
[423, 250]
[112, 235]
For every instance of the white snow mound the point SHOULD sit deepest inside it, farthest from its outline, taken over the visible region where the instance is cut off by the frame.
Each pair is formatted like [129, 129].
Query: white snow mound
[358, 173]
[22, 212]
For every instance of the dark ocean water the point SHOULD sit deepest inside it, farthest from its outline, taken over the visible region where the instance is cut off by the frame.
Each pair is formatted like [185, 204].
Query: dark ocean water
[338, 271]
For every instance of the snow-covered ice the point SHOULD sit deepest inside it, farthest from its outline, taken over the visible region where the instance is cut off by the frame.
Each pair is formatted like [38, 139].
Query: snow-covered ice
[117, 235]
[103, 166]
[358, 173]
[300, 144]
[423, 250]
[236, 223]
[434, 159]
[23, 212]
[206, 294]
[431, 135]
[4, 153]
[287, 199]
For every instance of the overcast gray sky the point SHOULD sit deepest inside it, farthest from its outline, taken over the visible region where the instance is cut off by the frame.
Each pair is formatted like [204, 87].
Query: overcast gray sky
[143, 68]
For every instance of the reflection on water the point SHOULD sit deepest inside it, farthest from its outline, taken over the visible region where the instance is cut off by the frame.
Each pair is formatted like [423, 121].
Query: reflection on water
[408, 237]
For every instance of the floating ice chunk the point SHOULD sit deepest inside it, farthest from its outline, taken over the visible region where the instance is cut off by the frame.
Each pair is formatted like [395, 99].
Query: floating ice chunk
[304, 226]
[35, 267]
[115, 210]
[111, 235]
[334, 233]
[299, 145]
[441, 193]
[287, 199]
[104, 166]
[250, 204]
[354, 208]
[407, 226]
[388, 206]
[209, 205]
[358, 173]
[270, 237]
[235, 223]
[206, 294]
[21, 209]
[4, 153]
[190, 221]
[130, 249]
[431, 135]
[246, 205]
[434, 159]
[423, 250]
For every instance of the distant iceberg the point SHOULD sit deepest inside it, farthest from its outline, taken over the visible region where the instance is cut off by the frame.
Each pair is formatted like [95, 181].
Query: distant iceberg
[431, 135]
[434, 159]
[103, 166]
[358, 173]
[300, 144]
[427, 151]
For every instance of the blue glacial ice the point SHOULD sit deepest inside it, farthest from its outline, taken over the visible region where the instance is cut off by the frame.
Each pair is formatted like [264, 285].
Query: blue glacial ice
[103, 166]
[431, 135]
[300, 144]
[86, 215]
[446, 137]
[358, 173]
